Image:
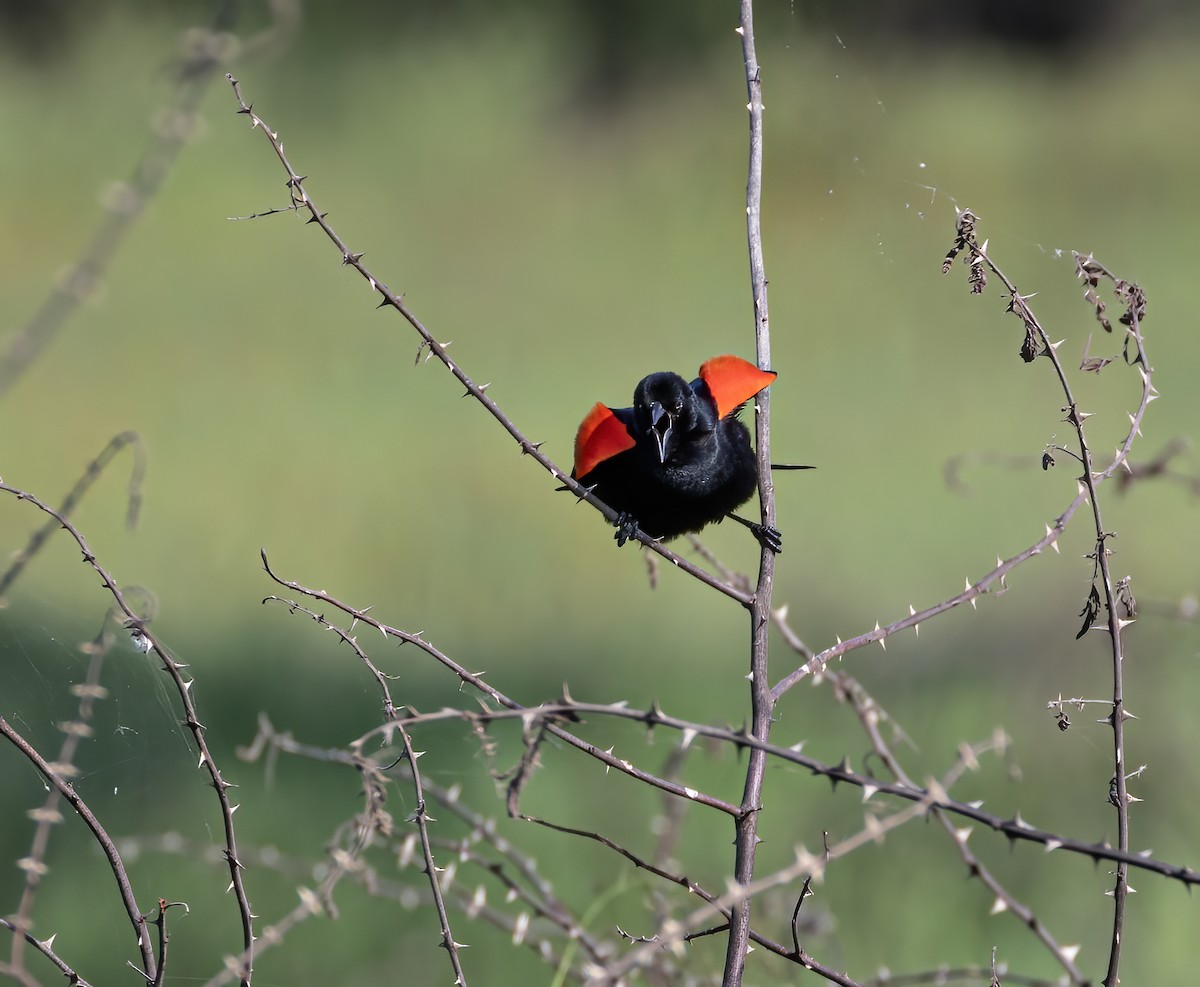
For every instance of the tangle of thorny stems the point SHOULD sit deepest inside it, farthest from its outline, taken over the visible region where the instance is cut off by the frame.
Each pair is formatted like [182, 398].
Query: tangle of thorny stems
[538, 896]
[873, 831]
[146, 641]
[301, 200]
[871, 716]
[864, 707]
[477, 682]
[420, 815]
[548, 717]
[1037, 343]
[536, 721]
[1014, 828]
[94, 469]
[808, 866]
[371, 821]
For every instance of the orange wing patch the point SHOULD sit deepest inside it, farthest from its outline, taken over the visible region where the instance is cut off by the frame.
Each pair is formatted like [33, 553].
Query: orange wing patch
[601, 436]
[732, 381]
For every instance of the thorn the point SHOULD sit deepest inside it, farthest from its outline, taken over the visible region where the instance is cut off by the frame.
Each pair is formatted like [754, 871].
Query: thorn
[998, 906]
[1053, 541]
[974, 599]
[882, 640]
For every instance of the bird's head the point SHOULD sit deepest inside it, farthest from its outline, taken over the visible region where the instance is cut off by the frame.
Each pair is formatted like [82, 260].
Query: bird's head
[667, 413]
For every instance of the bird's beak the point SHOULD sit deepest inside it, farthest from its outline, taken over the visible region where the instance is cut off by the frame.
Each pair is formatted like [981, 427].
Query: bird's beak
[660, 425]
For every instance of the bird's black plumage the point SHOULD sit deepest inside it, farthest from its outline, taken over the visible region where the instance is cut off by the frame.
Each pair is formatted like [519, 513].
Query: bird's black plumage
[679, 458]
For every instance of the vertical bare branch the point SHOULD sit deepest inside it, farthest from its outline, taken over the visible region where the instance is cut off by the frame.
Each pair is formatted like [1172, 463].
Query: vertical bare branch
[762, 702]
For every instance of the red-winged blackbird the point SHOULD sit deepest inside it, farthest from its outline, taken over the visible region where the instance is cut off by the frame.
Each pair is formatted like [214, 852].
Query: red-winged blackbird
[679, 458]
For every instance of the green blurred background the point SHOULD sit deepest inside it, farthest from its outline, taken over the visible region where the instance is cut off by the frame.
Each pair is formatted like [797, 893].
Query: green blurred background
[558, 188]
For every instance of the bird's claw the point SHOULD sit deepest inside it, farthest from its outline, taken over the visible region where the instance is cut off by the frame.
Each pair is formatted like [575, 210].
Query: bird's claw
[627, 529]
[768, 537]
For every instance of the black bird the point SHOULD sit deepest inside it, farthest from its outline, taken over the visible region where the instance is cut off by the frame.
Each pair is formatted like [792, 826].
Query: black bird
[679, 458]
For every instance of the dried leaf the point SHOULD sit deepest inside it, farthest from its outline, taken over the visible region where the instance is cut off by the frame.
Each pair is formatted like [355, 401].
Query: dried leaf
[1090, 611]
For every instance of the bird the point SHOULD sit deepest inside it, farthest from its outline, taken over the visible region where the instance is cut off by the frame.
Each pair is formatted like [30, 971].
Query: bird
[680, 458]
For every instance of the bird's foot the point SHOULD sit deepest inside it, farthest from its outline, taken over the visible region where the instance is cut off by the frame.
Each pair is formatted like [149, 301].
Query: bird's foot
[767, 536]
[627, 528]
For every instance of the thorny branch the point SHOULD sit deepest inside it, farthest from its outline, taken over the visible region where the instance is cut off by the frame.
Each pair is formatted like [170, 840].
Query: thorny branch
[90, 475]
[1037, 343]
[46, 948]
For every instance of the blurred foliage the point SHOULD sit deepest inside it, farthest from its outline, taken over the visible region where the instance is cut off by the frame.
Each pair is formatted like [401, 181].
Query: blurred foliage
[559, 189]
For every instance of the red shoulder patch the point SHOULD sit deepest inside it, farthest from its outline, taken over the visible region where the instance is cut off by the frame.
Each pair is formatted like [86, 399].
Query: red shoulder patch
[732, 381]
[601, 436]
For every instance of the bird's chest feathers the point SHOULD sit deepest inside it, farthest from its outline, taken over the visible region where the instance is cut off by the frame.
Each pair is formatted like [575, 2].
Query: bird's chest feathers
[696, 467]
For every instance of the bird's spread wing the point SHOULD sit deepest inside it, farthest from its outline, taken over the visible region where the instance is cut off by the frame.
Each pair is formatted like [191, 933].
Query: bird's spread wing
[731, 381]
[601, 436]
